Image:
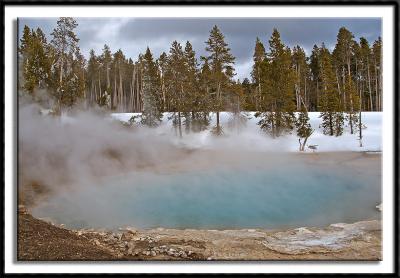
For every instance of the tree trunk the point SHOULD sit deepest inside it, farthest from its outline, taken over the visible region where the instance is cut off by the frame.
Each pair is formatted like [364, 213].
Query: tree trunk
[179, 124]
[121, 91]
[305, 94]
[359, 122]
[376, 87]
[218, 121]
[344, 82]
[259, 88]
[108, 75]
[137, 93]
[369, 86]
[219, 104]
[115, 91]
[338, 86]
[132, 100]
[317, 108]
[351, 122]
[380, 88]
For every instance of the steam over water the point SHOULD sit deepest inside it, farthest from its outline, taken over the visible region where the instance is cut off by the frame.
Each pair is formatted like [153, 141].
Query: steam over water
[220, 199]
[90, 171]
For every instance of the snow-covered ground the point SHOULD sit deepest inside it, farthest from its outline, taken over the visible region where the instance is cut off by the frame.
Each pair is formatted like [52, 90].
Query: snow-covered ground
[251, 137]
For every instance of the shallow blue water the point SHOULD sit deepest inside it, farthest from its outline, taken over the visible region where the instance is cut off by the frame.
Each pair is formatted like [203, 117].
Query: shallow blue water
[220, 199]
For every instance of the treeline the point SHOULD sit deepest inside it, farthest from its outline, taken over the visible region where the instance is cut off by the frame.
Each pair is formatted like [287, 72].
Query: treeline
[340, 84]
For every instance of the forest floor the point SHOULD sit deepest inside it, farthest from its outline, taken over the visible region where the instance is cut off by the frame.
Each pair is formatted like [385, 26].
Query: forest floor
[42, 241]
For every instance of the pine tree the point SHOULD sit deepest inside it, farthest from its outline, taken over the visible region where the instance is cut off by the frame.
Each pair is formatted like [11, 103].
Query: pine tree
[278, 81]
[190, 86]
[377, 72]
[75, 86]
[93, 68]
[315, 77]
[303, 127]
[66, 52]
[238, 119]
[162, 63]
[365, 52]
[35, 61]
[106, 60]
[302, 72]
[175, 81]
[151, 116]
[342, 59]
[249, 102]
[353, 98]
[205, 105]
[258, 58]
[331, 111]
[118, 92]
[220, 61]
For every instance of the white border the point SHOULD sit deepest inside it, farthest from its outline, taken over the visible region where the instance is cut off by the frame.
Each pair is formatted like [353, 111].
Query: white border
[386, 13]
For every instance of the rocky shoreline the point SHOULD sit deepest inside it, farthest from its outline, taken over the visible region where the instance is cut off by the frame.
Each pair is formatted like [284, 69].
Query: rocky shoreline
[40, 240]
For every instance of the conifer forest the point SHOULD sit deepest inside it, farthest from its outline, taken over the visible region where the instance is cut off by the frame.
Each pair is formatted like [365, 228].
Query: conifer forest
[339, 84]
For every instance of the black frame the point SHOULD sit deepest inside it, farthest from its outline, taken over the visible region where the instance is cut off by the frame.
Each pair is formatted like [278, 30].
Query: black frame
[396, 103]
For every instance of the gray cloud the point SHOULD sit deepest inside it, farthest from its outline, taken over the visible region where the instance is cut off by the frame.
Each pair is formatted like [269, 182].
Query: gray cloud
[133, 35]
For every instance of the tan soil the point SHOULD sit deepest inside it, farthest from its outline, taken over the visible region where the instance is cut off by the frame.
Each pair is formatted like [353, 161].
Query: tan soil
[42, 241]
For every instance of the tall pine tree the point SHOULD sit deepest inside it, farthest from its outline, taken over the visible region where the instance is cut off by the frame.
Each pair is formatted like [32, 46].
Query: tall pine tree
[330, 107]
[151, 116]
[67, 60]
[220, 61]
[278, 81]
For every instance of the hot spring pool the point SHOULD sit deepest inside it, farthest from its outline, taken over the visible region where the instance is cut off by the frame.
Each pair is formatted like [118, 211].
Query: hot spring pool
[221, 198]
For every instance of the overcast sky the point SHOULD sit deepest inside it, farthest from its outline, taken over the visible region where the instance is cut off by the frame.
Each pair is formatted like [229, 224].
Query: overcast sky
[133, 35]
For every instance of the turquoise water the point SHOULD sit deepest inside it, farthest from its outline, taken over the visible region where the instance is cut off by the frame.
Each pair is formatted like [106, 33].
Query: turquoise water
[219, 199]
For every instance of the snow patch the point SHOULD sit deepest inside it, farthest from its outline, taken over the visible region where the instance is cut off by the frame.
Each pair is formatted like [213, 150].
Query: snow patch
[252, 138]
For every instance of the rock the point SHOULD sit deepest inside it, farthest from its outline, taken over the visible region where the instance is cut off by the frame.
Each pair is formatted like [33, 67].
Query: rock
[96, 242]
[131, 230]
[127, 236]
[209, 259]
[153, 253]
[121, 246]
[22, 209]
[131, 248]
[303, 230]
[251, 230]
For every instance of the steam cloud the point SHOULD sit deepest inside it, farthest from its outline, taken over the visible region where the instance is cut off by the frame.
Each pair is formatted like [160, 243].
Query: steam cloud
[73, 150]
